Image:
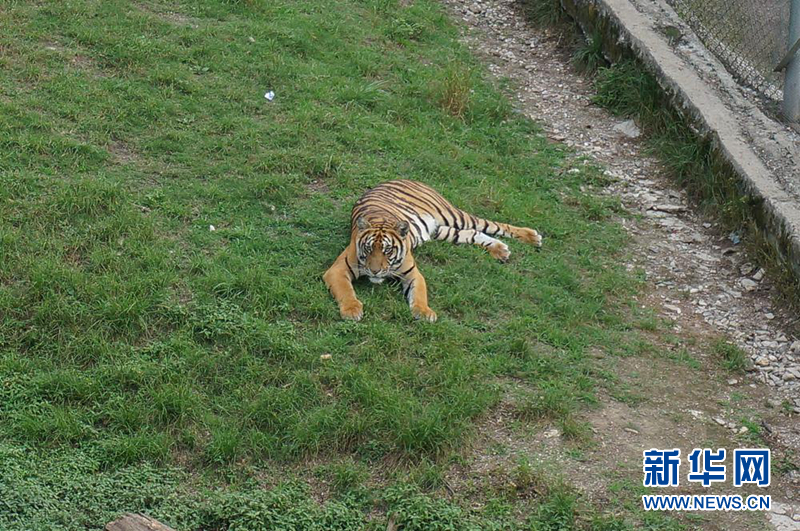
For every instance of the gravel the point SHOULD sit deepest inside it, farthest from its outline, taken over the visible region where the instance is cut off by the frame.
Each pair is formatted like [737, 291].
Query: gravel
[699, 274]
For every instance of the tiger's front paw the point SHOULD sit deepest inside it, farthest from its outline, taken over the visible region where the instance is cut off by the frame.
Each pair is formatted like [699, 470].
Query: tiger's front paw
[424, 313]
[500, 251]
[530, 236]
[352, 310]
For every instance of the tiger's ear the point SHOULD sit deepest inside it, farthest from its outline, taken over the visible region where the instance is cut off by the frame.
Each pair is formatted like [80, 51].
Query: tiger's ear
[362, 223]
[402, 228]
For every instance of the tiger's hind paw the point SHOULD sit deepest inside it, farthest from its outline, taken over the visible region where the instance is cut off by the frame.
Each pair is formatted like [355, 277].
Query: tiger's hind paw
[500, 251]
[530, 236]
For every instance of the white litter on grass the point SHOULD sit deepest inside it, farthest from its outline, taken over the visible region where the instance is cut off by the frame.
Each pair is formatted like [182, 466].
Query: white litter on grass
[270, 95]
[212, 228]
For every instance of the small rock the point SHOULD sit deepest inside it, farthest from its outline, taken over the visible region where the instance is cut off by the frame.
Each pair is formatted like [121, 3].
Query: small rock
[759, 274]
[733, 381]
[673, 309]
[748, 284]
[771, 402]
[769, 316]
[762, 361]
[742, 430]
[212, 228]
[778, 508]
[692, 238]
[720, 421]
[664, 207]
[631, 430]
[628, 128]
[325, 357]
[788, 376]
[551, 433]
[795, 346]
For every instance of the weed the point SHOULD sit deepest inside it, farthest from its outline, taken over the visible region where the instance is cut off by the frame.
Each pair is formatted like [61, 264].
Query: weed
[543, 13]
[753, 430]
[731, 357]
[345, 476]
[550, 402]
[575, 430]
[684, 357]
[787, 463]
[454, 90]
[588, 56]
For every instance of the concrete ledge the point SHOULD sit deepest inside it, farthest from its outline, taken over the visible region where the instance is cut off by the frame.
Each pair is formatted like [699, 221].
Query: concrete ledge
[627, 32]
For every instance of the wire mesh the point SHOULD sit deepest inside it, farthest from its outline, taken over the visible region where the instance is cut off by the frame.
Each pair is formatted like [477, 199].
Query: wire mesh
[748, 36]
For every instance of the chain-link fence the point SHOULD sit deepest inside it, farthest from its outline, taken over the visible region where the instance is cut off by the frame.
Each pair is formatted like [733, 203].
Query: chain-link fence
[748, 36]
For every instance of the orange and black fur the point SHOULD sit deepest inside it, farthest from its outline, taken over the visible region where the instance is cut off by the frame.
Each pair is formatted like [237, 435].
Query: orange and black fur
[392, 219]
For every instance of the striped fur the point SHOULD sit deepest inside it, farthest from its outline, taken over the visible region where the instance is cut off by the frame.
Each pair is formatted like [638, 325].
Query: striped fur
[392, 219]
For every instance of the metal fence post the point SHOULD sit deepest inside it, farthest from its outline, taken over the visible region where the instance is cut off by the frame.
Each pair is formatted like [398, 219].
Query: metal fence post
[791, 84]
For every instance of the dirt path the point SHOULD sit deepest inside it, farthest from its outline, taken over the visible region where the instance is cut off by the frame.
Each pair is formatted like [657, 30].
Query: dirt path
[697, 277]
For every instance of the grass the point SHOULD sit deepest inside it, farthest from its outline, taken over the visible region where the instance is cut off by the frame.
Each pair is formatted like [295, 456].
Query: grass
[588, 56]
[543, 13]
[151, 364]
[731, 357]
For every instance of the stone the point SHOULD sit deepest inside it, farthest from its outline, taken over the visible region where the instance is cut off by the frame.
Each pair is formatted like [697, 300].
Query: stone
[759, 274]
[778, 508]
[747, 284]
[720, 421]
[551, 433]
[733, 381]
[628, 128]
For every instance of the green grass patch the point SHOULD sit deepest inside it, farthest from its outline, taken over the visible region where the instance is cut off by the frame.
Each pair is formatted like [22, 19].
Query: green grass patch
[730, 356]
[140, 350]
[542, 13]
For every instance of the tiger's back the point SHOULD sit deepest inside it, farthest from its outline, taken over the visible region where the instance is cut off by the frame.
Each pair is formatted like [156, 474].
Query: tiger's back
[418, 204]
[431, 216]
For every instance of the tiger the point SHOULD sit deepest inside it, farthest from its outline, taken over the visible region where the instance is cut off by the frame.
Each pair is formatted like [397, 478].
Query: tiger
[392, 219]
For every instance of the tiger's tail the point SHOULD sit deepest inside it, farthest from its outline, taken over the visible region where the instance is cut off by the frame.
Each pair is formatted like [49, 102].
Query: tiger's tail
[494, 228]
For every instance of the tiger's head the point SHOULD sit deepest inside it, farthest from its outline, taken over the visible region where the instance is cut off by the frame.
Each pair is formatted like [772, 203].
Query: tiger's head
[380, 247]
